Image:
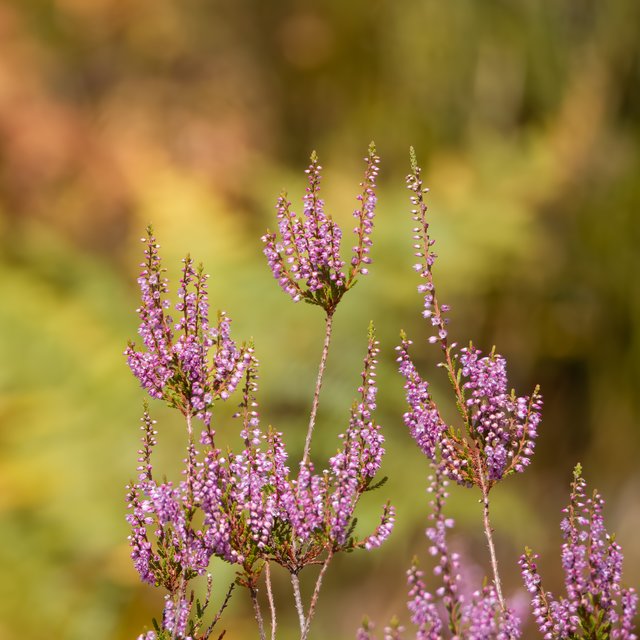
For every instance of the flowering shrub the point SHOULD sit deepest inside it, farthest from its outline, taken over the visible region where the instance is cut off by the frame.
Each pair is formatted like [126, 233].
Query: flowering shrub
[250, 508]
[596, 605]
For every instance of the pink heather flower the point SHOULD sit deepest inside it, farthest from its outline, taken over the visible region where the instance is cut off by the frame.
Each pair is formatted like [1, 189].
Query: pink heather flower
[500, 429]
[505, 426]
[163, 513]
[353, 468]
[448, 612]
[197, 364]
[364, 631]
[423, 419]
[423, 607]
[596, 604]
[252, 472]
[485, 620]
[304, 256]
[153, 367]
[317, 510]
[432, 309]
[211, 489]
[175, 616]
[383, 530]
[480, 617]
[393, 631]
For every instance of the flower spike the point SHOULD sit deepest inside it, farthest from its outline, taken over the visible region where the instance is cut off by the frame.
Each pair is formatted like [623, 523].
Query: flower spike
[304, 256]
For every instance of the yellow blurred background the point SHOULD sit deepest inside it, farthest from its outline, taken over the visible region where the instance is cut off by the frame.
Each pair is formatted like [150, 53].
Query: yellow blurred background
[193, 115]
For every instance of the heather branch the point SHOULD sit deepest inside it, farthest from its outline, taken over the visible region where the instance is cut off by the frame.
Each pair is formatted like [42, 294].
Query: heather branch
[364, 215]
[256, 610]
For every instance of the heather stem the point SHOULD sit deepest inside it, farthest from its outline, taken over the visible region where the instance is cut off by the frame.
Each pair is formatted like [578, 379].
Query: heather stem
[295, 582]
[489, 533]
[316, 593]
[272, 606]
[190, 461]
[189, 427]
[257, 612]
[316, 395]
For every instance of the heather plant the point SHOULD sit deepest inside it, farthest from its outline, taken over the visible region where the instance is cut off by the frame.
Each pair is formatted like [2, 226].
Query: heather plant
[248, 507]
[252, 508]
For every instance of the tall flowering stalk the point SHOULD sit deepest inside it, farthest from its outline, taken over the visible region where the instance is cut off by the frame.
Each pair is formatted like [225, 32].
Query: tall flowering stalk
[304, 255]
[167, 550]
[188, 364]
[596, 606]
[498, 430]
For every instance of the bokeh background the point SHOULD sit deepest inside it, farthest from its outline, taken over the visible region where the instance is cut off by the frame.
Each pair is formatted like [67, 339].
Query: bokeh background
[193, 115]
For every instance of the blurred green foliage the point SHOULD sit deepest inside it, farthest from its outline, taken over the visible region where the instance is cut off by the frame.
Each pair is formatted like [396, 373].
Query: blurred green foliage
[193, 114]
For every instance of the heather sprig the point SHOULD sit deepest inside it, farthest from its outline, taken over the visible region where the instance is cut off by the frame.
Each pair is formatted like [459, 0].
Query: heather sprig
[315, 518]
[162, 512]
[189, 364]
[449, 612]
[498, 429]
[596, 606]
[479, 616]
[243, 506]
[167, 549]
[184, 619]
[304, 256]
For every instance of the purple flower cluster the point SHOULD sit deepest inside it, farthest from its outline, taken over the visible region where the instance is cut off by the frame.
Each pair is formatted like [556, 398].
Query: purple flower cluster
[499, 428]
[163, 512]
[477, 617]
[317, 509]
[449, 612]
[505, 425]
[189, 364]
[244, 507]
[423, 419]
[251, 508]
[305, 256]
[596, 606]
[182, 617]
